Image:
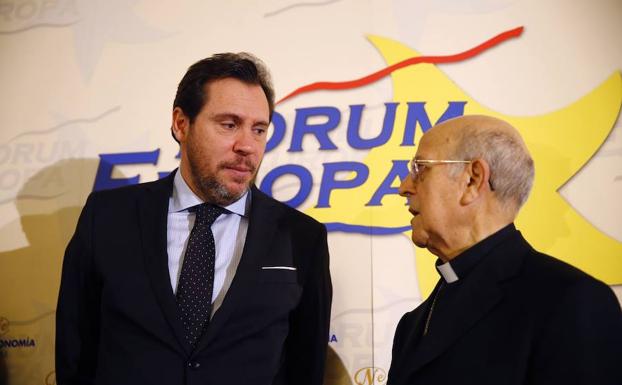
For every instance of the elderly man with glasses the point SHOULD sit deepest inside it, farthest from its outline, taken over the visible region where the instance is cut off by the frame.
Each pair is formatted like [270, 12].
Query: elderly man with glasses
[501, 313]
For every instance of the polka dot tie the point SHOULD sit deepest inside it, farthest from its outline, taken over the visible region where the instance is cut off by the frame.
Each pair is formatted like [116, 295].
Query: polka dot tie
[196, 282]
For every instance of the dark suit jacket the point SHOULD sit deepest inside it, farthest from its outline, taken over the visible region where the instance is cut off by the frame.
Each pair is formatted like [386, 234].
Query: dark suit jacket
[520, 317]
[117, 318]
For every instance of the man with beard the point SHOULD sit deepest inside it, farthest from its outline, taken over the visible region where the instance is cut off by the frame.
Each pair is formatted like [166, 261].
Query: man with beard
[501, 312]
[198, 278]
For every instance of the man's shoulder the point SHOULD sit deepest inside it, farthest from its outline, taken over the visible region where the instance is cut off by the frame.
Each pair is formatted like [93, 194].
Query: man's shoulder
[407, 324]
[551, 269]
[554, 278]
[411, 316]
[567, 292]
[547, 287]
[130, 193]
[517, 258]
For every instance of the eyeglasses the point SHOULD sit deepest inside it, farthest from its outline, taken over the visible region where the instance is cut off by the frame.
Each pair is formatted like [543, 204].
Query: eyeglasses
[417, 166]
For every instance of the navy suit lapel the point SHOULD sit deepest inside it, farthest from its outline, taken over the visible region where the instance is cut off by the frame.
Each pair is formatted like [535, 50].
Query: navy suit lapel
[262, 226]
[478, 296]
[153, 212]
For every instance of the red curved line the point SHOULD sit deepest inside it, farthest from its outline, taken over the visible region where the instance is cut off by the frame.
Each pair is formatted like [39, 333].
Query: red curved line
[516, 32]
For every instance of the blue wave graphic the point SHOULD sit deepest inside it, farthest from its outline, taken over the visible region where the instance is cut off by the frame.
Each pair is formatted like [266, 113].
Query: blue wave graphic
[369, 230]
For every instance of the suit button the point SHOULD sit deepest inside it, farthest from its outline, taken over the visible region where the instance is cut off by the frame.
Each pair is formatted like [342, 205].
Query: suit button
[194, 365]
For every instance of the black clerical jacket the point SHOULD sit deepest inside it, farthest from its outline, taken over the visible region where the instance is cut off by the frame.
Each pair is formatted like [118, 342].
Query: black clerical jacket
[518, 317]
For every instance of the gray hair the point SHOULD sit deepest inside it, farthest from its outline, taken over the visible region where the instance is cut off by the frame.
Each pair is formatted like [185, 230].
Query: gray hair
[511, 165]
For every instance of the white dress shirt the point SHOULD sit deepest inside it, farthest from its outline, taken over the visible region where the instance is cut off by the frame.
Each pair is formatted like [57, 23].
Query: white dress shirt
[229, 235]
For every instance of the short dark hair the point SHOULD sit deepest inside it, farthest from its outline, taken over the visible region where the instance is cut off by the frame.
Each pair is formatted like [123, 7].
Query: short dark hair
[192, 94]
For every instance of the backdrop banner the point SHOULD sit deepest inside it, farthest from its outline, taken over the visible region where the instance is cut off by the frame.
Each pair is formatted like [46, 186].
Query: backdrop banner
[89, 85]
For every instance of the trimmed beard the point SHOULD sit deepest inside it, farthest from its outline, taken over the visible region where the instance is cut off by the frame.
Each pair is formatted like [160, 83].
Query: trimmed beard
[214, 191]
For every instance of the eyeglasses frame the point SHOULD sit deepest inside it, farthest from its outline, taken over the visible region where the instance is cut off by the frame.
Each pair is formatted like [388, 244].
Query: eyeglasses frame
[415, 172]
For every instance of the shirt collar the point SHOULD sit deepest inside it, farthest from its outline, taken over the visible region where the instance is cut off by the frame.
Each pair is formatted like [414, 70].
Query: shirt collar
[462, 264]
[446, 271]
[184, 198]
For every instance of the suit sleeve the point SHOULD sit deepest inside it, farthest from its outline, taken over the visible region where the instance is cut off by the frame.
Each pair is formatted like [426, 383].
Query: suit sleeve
[77, 313]
[307, 341]
[582, 342]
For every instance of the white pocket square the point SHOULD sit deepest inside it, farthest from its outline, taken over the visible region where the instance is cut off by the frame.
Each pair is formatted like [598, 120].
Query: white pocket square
[278, 268]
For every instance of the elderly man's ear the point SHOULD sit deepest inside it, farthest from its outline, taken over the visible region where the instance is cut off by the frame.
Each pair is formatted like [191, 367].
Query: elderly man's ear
[478, 174]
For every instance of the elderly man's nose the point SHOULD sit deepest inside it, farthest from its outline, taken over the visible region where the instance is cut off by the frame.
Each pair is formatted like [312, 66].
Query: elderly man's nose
[407, 186]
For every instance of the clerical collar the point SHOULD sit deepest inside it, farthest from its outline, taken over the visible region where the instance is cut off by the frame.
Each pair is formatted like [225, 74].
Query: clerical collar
[184, 198]
[462, 264]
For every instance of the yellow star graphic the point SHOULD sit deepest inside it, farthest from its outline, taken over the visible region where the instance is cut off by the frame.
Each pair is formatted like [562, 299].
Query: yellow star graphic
[561, 142]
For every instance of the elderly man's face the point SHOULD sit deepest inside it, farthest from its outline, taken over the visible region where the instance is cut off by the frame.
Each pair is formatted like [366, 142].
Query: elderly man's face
[433, 196]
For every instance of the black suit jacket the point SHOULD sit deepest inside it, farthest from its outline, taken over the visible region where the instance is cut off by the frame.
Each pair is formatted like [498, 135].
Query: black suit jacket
[117, 317]
[520, 317]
